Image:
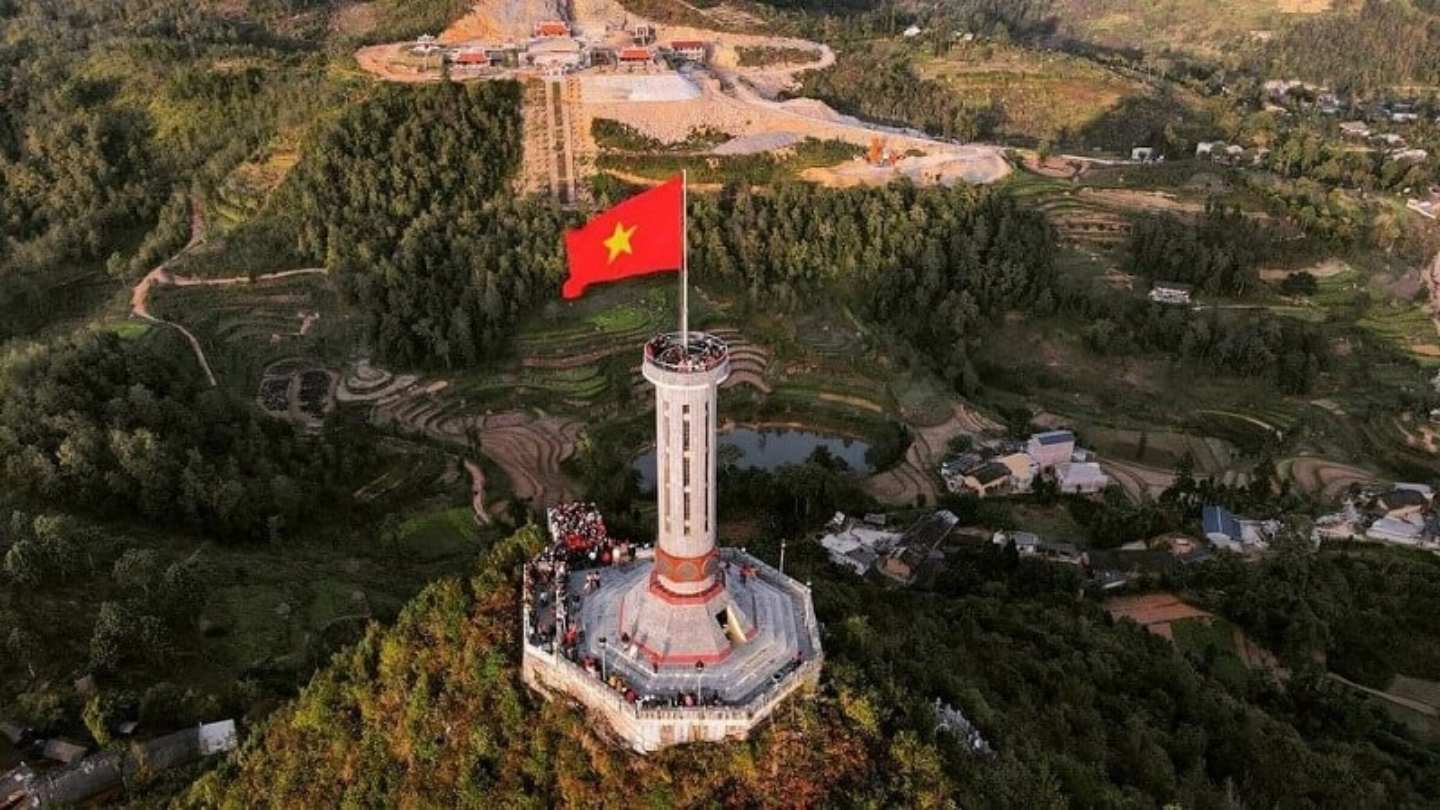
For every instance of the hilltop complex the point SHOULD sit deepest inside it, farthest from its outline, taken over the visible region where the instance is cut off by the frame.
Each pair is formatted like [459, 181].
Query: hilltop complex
[684, 642]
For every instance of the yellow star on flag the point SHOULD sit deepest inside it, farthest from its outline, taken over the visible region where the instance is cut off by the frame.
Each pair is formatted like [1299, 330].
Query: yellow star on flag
[619, 241]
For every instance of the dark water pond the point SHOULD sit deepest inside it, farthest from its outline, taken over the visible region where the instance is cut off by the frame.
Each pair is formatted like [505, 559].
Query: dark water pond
[771, 448]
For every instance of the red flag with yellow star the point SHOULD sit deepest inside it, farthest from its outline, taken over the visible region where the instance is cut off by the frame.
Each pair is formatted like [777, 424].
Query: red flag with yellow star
[643, 235]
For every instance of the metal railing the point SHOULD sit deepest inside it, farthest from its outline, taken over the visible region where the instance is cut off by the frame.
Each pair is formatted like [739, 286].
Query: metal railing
[704, 352]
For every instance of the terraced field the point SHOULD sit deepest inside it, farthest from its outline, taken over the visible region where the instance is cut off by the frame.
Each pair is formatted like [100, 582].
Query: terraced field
[1323, 477]
[245, 327]
[244, 192]
[528, 446]
[916, 477]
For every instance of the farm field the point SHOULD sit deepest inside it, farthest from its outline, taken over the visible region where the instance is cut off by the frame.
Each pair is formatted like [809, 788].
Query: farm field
[1045, 96]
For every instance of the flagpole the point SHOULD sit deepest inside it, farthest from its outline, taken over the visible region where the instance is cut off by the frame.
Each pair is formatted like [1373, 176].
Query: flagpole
[685, 261]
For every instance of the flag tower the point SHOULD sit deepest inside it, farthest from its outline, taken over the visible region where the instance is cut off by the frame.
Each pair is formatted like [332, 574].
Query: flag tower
[686, 641]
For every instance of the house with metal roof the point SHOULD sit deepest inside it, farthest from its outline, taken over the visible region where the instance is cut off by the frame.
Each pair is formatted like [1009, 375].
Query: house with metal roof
[990, 478]
[1051, 447]
[1222, 528]
[1081, 479]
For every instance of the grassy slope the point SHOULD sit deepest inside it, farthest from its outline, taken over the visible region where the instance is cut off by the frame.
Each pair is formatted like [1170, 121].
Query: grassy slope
[1209, 28]
[1044, 94]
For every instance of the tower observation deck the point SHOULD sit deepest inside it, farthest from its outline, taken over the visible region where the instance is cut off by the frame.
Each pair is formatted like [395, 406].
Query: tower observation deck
[687, 641]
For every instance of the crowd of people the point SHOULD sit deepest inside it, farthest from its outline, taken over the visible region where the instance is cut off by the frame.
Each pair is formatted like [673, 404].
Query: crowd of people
[581, 544]
[703, 353]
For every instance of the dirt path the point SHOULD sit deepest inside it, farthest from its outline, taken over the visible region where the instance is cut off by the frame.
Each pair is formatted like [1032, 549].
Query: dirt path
[477, 492]
[140, 295]
[161, 276]
[1413, 705]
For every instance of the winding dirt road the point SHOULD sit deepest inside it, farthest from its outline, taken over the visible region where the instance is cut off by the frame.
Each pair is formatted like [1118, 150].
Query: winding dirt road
[161, 276]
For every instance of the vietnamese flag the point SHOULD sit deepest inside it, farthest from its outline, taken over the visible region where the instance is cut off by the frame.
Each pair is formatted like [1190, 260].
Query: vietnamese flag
[643, 235]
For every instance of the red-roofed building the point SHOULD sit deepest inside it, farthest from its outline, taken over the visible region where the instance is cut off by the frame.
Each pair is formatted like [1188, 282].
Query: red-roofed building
[552, 28]
[473, 58]
[635, 56]
[692, 49]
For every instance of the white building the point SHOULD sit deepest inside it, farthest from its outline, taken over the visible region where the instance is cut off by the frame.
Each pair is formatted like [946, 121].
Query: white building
[1171, 292]
[1081, 479]
[1224, 530]
[1026, 543]
[1407, 531]
[856, 545]
[1051, 448]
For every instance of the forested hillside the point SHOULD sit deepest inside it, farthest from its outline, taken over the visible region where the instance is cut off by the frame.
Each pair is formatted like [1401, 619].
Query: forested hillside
[1081, 713]
[406, 200]
[106, 426]
[932, 264]
[1382, 44]
[107, 111]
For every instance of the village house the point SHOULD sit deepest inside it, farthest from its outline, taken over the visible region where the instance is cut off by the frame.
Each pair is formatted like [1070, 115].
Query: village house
[1209, 148]
[1401, 531]
[1226, 531]
[425, 45]
[693, 50]
[1408, 155]
[1113, 569]
[857, 545]
[469, 61]
[1400, 504]
[643, 34]
[1023, 469]
[1355, 129]
[1051, 447]
[990, 478]
[635, 56]
[1171, 292]
[1027, 544]
[1145, 154]
[1081, 479]
[918, 548]
[551, 28]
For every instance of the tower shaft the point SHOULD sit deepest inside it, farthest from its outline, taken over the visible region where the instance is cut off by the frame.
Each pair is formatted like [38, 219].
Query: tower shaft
[686, 380]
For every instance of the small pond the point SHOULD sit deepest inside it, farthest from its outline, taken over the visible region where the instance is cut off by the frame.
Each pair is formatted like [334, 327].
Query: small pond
[768, 449]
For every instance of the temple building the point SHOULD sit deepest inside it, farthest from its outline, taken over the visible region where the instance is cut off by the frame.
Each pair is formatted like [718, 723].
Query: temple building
[685, 641]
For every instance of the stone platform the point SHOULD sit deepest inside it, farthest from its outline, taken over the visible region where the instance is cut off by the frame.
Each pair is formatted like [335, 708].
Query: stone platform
[651, 705]
[777, 615]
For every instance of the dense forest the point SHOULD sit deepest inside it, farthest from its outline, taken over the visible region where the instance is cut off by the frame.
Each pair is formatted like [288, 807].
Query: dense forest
[931, 264]
[1305, 151]
[1290, 354]
[1218, 253]
[881, 86]
[1362, 612]
[109, 112]
[1082, 713]
[1383, 44]
[120, 427]
[405, 200]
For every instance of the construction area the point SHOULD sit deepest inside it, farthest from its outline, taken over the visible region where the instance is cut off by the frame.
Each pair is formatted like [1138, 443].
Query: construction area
[664, 83]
